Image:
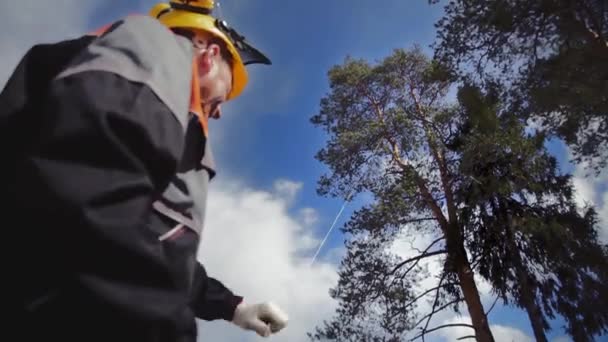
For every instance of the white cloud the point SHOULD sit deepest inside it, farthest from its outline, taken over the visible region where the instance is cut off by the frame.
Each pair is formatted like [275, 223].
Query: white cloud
[593, 190]
[509, 334]
[255, 247]
[585, 193]
[287, 189]
[334, 255]
[28, 22]
[501, 333]
[309, 216]
[533, 126]
[562, 339]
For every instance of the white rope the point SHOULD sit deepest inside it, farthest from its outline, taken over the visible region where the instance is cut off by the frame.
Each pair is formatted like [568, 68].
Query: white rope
[329, 232]
[219, 10]
[331, 228]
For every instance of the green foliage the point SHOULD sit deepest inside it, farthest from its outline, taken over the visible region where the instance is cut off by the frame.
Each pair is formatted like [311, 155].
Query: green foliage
[379, 118]
[464, 172]
[528, 237]
[551, 54]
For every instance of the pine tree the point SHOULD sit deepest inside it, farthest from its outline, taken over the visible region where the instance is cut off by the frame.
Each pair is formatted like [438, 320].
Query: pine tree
[537, 250]
[388, 125]
[550, 53]
[468, 175]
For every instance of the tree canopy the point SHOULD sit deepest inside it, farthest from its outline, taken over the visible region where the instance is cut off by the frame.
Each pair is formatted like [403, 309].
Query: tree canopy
[465, 174]
[550, 53]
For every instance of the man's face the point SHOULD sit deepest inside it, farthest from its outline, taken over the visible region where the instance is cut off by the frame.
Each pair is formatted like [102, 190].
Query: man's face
[215, 80]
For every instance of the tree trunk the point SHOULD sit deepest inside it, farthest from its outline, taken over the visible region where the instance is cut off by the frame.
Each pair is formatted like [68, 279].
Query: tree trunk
[455, 247]
[592, 35]
[527, 289]
[471, 298]
[532, 308]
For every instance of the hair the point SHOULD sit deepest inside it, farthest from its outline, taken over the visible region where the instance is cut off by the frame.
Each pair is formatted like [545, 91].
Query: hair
[211, 39]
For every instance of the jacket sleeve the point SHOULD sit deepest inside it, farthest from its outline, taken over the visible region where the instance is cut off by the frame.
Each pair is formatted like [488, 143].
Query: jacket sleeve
[106, 148]
[213, 300]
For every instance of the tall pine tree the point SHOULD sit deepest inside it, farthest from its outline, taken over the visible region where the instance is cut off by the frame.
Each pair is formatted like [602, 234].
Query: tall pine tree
[388, 125]
[537, 250]
[465, 174]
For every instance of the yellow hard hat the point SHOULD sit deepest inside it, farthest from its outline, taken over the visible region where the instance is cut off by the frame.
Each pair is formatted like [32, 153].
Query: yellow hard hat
[196, 14]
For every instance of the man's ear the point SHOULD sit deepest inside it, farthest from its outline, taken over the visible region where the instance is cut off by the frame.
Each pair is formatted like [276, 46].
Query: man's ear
[214, 50]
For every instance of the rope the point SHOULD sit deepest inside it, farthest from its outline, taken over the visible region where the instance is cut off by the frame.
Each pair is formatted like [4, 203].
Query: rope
[329, 231]
[331, 228]
[219, 11]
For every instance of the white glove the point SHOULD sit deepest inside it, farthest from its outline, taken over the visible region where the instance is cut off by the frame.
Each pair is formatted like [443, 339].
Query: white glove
[264, 318]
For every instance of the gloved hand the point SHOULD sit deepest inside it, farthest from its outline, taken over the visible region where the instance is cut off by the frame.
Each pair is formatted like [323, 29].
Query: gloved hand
[264, 318]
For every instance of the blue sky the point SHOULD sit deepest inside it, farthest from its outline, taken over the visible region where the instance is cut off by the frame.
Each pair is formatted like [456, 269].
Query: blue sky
[265, 136]
[304, 39]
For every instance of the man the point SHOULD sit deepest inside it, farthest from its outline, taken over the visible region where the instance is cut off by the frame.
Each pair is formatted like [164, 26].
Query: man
[106, 166]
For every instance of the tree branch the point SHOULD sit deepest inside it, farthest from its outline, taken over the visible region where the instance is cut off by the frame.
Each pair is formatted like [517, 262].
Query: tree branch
[418, 220]
[590, 35]
[424, 254]
[413, 301]
[438, 287]
[434, 304]
[442, 327]
[430, 315]
[443, 222]
[439, 157]
[492, 307]
[426, 195]
[420, 257]
[417, 260]
[596, 31]
[380, 115]
[466, 337]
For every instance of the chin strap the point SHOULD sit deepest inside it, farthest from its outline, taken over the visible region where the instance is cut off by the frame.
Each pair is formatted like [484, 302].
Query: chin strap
[195, 99]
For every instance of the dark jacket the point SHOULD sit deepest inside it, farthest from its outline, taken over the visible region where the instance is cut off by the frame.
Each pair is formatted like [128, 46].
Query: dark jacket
[105, 175]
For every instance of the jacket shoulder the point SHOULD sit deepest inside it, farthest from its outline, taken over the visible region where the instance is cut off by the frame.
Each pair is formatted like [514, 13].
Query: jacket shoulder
[141, 49]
